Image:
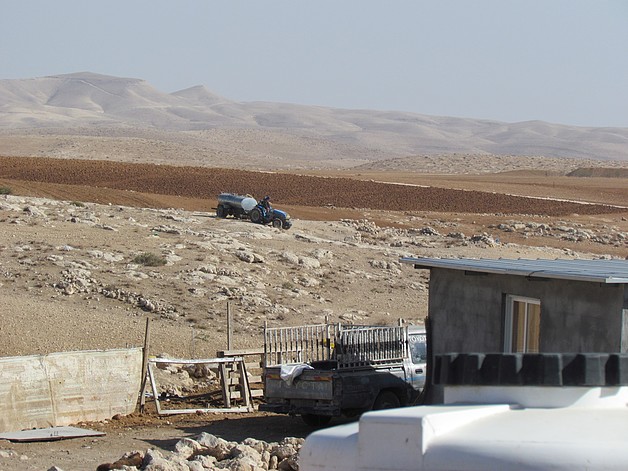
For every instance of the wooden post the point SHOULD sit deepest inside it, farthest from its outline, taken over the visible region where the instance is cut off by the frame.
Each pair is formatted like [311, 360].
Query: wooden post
[266, 342]
[228, 325]
[144, 365]
[224, 384]
[245, 390]
[192, 349]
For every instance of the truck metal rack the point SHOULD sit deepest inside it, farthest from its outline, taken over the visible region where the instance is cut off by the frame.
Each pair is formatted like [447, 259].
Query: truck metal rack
[347, 346]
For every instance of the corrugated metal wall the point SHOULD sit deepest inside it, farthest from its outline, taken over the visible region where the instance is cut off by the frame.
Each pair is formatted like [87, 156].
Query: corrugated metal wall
[66, 388]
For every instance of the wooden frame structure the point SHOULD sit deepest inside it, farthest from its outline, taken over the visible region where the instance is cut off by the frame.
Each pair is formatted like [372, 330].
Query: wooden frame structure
[228, 384]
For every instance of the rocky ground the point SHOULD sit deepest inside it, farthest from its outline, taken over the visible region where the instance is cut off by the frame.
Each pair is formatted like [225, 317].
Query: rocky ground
[87, 275]
[78, 273]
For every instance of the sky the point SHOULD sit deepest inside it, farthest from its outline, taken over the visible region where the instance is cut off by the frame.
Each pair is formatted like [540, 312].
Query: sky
[560, 61]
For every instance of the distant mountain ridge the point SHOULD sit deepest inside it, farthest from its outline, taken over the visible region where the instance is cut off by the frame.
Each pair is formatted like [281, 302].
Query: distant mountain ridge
[89, 100]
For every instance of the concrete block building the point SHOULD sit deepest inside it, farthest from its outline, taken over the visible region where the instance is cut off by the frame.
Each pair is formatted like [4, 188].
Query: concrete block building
[527, 306]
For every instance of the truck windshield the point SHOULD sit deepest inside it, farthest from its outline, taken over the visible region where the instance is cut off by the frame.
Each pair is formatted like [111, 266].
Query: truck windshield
[418, 348]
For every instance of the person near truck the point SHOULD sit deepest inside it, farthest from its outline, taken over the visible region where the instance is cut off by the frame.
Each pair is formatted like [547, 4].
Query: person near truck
[266, 202]
[266, 205]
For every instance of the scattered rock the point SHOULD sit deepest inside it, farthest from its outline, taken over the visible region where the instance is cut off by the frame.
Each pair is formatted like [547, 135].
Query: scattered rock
[290, 257]
[249, 257]
[210, 452]
[132, 459]
[309, 262]
[429, 231]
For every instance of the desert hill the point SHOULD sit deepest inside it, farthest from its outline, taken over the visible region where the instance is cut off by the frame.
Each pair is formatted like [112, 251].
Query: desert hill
[70, 115]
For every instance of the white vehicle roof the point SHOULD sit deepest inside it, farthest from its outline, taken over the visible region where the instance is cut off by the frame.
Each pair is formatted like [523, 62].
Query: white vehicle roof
[416, 329]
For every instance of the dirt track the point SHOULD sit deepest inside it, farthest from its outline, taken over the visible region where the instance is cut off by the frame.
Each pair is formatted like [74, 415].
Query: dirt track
[88, 178]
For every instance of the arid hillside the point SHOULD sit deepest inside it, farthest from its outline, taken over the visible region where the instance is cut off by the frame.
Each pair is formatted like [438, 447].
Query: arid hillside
[82, 114]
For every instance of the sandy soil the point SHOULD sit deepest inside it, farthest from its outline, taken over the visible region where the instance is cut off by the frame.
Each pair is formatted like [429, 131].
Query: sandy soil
[71, 230]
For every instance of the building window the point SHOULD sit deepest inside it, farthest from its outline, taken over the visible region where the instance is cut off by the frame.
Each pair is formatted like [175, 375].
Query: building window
[523, 325]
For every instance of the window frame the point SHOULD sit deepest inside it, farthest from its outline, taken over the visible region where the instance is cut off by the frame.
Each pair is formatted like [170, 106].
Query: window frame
[508, 320]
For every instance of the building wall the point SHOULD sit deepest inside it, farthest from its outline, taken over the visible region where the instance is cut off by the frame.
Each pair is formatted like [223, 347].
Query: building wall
[467, 312]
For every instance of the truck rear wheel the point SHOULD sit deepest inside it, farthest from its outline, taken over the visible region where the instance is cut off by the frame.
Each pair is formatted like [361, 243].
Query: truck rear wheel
[315, 420]
[386, 400]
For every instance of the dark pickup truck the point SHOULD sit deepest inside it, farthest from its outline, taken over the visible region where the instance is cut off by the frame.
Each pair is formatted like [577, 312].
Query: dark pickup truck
[329, 370]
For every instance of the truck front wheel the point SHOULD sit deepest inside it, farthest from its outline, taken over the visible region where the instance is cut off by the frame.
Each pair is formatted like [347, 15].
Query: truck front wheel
[386, 400]
[315, 420]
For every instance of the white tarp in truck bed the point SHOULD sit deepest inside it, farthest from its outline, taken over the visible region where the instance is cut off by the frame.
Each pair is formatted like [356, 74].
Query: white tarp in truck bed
[290, 372]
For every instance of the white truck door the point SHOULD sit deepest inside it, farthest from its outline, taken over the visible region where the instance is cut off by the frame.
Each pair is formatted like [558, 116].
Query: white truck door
[418, 358]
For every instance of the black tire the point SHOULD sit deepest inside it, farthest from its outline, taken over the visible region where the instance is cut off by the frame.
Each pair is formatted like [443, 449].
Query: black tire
[386, 400]
[256, 216]
[315, 420]
[221, 212]
[277, 223]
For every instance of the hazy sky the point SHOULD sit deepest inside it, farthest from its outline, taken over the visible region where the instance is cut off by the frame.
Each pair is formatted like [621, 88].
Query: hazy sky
[562, 61]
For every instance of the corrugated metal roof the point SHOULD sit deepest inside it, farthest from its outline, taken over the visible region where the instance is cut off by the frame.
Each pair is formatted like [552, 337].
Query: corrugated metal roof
[598, 271]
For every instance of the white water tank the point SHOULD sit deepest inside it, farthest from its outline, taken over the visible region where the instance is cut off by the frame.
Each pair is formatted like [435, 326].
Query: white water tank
[574, 416]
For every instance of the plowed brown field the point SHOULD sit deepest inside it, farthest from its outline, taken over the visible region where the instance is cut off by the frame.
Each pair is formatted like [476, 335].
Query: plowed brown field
[197, 187]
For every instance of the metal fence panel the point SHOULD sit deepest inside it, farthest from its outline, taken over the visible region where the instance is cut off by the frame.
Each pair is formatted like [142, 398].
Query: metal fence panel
[351, 346]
